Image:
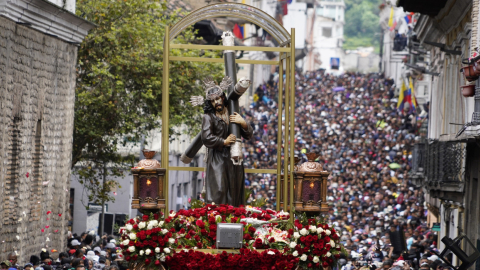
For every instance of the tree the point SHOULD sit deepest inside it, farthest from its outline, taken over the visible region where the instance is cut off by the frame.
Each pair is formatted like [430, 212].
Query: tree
[119, 86]
[361, 23]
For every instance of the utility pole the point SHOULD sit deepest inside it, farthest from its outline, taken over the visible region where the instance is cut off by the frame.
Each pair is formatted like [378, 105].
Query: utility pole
[102, 218]
[381, 50]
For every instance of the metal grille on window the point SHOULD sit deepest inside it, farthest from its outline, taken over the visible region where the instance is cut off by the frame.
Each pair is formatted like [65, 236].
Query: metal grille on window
[445, 162]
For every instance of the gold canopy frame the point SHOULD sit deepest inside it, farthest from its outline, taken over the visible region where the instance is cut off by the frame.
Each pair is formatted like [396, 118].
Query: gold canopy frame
[286, 57]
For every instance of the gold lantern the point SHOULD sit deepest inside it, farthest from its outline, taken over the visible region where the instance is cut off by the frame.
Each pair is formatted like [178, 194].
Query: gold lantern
[148, 184]
[311, 186]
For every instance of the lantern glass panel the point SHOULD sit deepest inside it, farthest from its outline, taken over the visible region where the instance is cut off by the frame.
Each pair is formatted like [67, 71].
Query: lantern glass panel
[311, 191]
[148, 187]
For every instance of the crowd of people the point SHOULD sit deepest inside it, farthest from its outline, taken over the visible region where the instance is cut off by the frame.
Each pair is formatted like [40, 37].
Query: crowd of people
[365, 143]
[84, 252]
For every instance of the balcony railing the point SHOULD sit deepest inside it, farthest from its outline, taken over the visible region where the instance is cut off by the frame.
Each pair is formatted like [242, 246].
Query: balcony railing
[444, 162]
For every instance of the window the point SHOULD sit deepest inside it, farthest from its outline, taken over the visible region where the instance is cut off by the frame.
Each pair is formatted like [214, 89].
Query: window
[327, 31]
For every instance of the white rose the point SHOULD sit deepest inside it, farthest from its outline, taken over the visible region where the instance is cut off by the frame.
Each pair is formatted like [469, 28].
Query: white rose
[164, 231]
[148, 251]
[129, 227]
[142, 225]
[125, 242]
[218, 218]
[271, 252]
[328, 232]
[162, 257]
[296, 235]
[303, 231]
[293, 245]
[167, 250]
[295, 253]
[332, 243]
[338, 246]
[149, 226]
[131, 249]
[319, 230]
[154, 223]
[251, 242]
[313, 229]
[316, 259]
[160, 224]
[133, 236]
[172, 214]
[304, 257]
[157, 250]
[171, 241]
[328, 254]
[141, 252]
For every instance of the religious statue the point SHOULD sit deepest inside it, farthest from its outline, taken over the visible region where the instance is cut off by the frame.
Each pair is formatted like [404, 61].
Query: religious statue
[224, 181]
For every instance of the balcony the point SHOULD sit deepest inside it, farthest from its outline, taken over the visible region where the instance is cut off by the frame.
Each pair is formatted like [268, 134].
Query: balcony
[444, 169]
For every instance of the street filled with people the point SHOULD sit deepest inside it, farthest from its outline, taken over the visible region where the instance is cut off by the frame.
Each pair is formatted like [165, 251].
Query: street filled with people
[351, 121]
[365, 142]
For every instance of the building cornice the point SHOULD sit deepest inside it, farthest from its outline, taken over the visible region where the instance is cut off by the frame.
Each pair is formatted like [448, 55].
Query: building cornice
[47, 18]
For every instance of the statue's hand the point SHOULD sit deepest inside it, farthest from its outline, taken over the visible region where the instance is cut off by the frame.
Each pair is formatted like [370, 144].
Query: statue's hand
[229, 140]
[237, 119]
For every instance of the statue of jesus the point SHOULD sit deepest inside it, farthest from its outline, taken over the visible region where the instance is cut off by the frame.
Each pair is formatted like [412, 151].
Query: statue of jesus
[224, 181]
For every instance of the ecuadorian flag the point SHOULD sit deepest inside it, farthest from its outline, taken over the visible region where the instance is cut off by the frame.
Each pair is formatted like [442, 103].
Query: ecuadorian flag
[407, 96]
[401, 96]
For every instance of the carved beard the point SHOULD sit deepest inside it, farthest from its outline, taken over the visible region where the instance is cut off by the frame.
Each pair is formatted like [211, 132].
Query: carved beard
[219, 108]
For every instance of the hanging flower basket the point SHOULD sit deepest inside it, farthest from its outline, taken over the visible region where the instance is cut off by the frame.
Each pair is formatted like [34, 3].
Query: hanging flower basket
[468, 90]
[469, 73]
[476, 67]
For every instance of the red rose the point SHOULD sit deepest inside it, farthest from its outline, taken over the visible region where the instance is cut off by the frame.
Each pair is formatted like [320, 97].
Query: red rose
[155, 216]
[203, 232]
[325, 264]
[145, 218]
[211, 220]
[200, 223]
[247, 237]
[213, 227]
[199, 245]
[251, 229]
[127, 258]
[258, 241]
[135, 226]
[157, 263]
[147, 261]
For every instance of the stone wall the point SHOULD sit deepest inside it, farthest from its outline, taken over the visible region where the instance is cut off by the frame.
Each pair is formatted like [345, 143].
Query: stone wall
[37, 94]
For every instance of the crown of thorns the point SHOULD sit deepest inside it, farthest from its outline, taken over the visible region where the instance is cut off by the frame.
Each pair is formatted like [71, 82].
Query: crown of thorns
[212, 90]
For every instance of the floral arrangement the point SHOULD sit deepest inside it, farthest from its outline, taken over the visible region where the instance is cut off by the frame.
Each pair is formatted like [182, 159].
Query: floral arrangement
[179, 240]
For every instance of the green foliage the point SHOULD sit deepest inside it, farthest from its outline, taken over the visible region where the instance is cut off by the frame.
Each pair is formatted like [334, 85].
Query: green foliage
[194, 203]
[119, 86]
[255, 203]
[362, 27]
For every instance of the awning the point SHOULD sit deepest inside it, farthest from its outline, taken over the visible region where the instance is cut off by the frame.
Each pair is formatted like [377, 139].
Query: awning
[426, 7]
